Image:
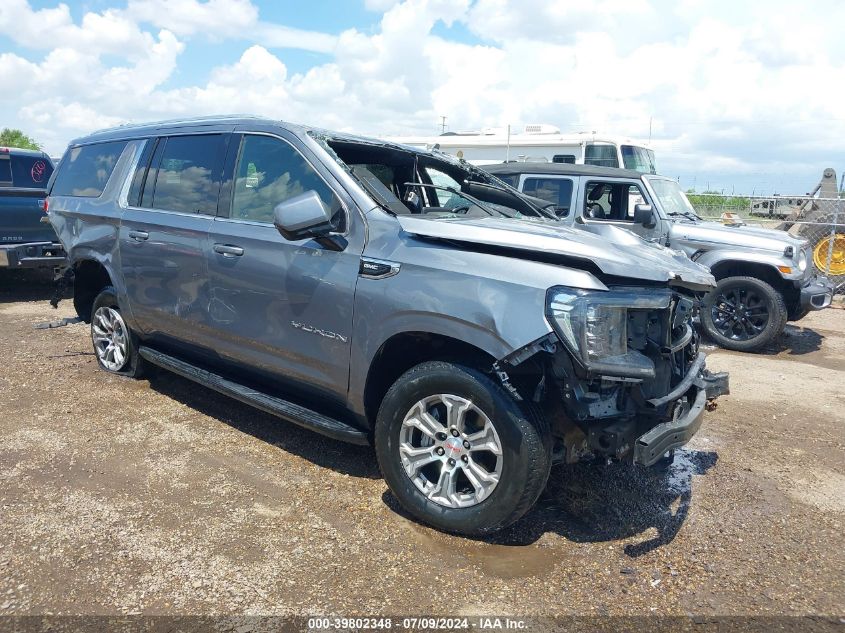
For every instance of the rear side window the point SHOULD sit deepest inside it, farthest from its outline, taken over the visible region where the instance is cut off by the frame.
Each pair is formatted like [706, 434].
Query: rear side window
[185, 174]
[30, 172]
[270, 171]
[5, 171]
[511, 179]
[558, 191]
[85, 169]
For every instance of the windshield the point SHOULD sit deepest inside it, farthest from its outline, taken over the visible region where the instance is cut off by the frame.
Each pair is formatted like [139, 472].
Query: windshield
[639, 159]
[419, 183]
[671, 199]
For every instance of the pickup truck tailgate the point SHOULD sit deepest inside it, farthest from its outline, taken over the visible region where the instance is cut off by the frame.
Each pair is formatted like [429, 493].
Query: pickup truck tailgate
[22, 219]
[23, 184]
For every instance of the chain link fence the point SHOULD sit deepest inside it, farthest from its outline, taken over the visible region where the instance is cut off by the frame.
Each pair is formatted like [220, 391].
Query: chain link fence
[820, 221]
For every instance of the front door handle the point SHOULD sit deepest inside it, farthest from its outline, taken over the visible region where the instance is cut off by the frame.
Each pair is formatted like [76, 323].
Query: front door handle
[139, 236]
[228, 251]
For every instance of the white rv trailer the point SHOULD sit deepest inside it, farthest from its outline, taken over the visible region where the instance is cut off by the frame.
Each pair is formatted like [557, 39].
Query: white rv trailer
[539, 143]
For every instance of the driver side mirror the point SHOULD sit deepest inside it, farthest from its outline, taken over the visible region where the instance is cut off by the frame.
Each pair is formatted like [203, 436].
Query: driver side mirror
[644, 214]
[302, 216]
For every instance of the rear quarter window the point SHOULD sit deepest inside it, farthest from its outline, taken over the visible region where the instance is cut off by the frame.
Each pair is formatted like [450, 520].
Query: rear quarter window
[85, 170]
[30, 172]
[5, 171]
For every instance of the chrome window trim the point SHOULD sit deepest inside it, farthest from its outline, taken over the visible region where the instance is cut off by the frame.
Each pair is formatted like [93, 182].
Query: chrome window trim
[123, 197]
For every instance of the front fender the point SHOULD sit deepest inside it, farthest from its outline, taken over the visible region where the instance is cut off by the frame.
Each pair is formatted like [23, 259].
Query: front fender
[715, 257]
[471, 303]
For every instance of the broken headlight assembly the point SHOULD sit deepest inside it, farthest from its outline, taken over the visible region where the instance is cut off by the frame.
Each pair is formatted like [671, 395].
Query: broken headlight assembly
[593, 325]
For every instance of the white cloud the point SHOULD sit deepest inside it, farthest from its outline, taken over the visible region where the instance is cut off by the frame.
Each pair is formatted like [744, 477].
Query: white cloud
[726, 87]
[188, 17]
[43, 29]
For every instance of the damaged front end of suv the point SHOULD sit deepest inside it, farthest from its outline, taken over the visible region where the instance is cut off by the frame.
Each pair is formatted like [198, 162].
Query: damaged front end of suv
[621, 376]
[593, 330]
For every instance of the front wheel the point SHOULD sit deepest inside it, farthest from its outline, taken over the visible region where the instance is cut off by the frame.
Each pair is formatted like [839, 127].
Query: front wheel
[743, 314]
[115, 346]
[458, 452]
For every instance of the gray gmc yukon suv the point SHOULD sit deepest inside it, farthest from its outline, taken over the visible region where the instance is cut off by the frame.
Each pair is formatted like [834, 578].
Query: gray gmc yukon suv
[380, 294]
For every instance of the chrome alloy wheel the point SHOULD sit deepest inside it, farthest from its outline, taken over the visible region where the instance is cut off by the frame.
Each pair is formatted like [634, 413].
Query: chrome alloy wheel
[111, 338]
[451, 451]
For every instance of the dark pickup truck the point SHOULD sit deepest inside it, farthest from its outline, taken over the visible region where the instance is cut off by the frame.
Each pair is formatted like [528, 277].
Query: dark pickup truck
[26, 238]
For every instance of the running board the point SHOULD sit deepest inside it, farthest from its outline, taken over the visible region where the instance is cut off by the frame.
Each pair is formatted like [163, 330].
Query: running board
[276, 406]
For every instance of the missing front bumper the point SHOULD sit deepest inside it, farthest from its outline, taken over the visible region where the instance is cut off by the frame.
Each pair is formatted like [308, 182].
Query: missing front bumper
[651, 446]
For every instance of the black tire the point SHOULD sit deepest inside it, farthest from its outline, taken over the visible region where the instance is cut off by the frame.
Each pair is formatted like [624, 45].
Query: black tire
[522, 432]
[128, 364]
[722, 320]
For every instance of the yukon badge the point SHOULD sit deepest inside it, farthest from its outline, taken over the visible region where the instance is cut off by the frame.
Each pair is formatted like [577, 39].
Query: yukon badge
[315, 330]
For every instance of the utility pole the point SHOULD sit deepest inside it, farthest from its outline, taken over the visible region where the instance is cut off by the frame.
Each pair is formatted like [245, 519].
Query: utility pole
[508, 150]
[442, 124]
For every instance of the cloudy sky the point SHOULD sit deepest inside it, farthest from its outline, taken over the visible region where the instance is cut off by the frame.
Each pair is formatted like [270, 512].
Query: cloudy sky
[740, 95]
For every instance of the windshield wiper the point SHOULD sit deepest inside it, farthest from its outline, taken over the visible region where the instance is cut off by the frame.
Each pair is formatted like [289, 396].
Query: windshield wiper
[684, 214]
[512, 192]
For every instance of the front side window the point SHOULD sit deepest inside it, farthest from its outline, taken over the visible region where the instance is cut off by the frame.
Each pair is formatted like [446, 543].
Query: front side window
[558, 191]
[85, 169]
[185, 174]
[270, 171]
[612, 201]
[601, 154]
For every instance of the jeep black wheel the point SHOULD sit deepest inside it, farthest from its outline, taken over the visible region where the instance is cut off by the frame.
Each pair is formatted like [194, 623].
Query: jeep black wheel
[458, 452]
[743, 314]
[115, 346]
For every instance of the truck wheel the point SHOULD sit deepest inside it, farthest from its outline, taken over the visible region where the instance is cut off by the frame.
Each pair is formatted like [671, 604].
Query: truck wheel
[115, 347]
[458, 452]
[743, 314]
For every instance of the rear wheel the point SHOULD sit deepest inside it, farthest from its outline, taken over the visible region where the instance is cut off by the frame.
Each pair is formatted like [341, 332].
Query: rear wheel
[743, 314]
[115, 346]
[458, 452]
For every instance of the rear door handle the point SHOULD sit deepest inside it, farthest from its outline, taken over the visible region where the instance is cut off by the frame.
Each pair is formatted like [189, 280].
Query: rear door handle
[228, 251]
[139, 236]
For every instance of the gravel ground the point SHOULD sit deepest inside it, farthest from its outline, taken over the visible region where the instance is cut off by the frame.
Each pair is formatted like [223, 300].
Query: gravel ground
[163, 497]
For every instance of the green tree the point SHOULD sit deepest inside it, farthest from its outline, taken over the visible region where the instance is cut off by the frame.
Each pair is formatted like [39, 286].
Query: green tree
[16, 138]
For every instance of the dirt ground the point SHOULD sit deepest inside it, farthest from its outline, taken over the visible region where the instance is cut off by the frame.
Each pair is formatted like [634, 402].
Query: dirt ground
[163, 497]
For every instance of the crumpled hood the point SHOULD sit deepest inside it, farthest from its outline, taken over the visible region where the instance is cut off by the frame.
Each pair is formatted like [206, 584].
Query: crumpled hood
[614, 251]
[745, 236]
